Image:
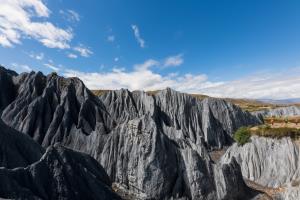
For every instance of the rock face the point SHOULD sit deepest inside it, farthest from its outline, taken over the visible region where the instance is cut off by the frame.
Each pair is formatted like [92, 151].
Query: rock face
[156, 147]
[212, 119]
[27, 171]
[59, 174]
[267, 161]
[16, 149]
[7, 92]
[48, 108]
[279, 112]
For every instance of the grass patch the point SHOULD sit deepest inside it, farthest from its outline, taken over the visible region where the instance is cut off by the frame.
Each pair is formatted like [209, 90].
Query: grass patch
[267, 131]
[242, 135]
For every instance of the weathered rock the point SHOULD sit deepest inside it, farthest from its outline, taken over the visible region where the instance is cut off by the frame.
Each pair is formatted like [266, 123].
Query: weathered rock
[279, 112]
[60, 174]
[16, 149]
[269, 162]
[215, 120]
[48, 108]
[155, 146]
[7, 92]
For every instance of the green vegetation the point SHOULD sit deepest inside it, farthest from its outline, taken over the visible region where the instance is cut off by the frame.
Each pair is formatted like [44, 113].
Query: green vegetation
[242, 135]
[267, 131]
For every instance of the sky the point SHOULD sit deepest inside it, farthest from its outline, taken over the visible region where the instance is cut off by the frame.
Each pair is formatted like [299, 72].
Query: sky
[222, 48]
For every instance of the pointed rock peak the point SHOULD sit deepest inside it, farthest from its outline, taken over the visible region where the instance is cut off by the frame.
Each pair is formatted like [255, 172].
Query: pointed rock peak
[7, 71]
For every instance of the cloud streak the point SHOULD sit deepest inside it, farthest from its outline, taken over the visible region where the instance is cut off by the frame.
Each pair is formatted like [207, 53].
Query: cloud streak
[174, 61]
[137, 36]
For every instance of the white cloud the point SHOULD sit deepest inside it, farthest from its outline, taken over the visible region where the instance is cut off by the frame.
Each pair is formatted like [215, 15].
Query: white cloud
[137, 36]
[83, 51]
[141, 78]
[111, 38]
[39, 56]
[71, 55]
[274, 85]
[70, 15]
[20, 68]
[146, 65]
[51, 66]
[173, 61]
[116, 59]
[27, 19]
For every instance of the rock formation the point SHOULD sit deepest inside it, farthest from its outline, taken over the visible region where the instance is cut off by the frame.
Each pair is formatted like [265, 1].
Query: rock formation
[154, 146]
[27, 171]
[59, 174]
[279, 112]
[269, 162]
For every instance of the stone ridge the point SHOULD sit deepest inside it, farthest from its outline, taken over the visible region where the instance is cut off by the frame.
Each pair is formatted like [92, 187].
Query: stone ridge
[269, 162]
[155, 146]
[60, 174]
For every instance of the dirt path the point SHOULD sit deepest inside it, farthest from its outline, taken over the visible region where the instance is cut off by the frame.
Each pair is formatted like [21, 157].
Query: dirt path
[268, 193]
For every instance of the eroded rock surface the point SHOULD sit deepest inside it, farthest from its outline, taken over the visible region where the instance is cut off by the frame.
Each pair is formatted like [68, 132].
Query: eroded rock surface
[154, 146]
[269, 162]
[60, 174]
[279, 112]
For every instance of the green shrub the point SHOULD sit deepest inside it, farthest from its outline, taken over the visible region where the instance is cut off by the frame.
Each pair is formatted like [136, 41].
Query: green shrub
[242, 135]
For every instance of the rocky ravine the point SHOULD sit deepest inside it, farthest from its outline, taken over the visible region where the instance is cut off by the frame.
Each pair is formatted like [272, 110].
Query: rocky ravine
[152, 146]
[270, 162]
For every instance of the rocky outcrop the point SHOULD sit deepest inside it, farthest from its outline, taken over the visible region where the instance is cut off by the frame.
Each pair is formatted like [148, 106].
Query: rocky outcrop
[60, 174]
[279, 112]
[153, 146]
[16, 149]
[215, 120]
[7, 92]
[269, 162]
[48, 108]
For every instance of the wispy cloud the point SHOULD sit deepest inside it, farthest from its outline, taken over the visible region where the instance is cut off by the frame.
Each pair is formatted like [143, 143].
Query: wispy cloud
[111, 38]
[137, 36]
[51, 66]
[83, 51]
[39, 56]
[70, 15]
[20, 67]
[28, 19]
[146, 65]
[274, 85]
[71, 55]
[173, 60]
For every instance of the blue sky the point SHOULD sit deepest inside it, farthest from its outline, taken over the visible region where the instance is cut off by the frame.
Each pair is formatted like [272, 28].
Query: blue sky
[247, 49]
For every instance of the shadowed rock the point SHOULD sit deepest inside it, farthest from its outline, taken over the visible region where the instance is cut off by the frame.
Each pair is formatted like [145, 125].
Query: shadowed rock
[60, 174]
[16, 149]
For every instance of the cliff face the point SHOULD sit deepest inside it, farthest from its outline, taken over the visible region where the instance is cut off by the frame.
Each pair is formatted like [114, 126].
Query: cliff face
[153, 146]
[48, 108]
[27, 171]
[267, 161]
